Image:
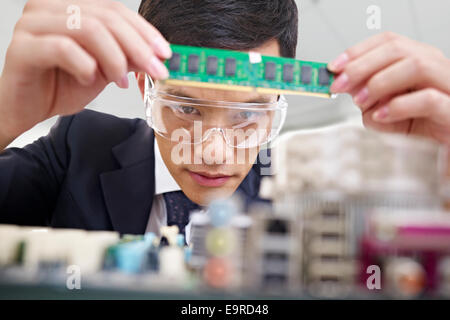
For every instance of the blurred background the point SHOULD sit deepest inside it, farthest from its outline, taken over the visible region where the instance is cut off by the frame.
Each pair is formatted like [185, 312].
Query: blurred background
[326, 28]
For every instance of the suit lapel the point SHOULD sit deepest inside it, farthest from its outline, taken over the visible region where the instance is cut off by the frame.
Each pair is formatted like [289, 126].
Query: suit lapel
[129, 191]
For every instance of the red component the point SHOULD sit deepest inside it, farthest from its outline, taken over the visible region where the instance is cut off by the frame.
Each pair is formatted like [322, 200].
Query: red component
[217, 272]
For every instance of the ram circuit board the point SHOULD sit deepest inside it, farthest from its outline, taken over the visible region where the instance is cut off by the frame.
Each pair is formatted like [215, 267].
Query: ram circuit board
[246, 71]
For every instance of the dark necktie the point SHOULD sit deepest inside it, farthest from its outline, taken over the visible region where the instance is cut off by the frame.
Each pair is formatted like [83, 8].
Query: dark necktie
[178, 208]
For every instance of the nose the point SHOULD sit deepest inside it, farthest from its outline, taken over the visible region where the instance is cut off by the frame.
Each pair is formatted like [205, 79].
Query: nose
[214, 149]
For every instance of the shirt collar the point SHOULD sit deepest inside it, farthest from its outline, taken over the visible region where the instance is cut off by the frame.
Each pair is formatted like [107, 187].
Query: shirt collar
[164, 182]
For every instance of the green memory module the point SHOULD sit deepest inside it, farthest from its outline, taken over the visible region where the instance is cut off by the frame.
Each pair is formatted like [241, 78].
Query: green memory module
[246, 71]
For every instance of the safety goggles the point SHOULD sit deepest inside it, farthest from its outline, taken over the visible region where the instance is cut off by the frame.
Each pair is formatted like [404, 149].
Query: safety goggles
[192, 121]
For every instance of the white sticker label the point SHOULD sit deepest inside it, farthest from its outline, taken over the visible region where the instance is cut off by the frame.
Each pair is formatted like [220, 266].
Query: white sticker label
[254, 57]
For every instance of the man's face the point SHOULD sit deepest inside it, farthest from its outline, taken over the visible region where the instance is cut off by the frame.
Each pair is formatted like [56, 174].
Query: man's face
[221, 168]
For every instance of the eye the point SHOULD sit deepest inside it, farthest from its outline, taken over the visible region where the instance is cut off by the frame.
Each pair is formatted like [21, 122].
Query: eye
[247, 116]
[186, 110]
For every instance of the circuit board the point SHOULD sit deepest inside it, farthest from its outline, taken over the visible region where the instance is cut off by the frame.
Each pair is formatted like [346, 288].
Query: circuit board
[246, 71]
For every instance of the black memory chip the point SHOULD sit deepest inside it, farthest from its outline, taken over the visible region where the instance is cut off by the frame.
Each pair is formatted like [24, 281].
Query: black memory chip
[193, 63]
[211, 65]
[174, 62]
[270, 70]
[324, 76]
[288, 72]
[306, 74]
[230, 67]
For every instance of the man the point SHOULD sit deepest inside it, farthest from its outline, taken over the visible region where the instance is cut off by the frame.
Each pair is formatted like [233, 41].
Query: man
[96, 171]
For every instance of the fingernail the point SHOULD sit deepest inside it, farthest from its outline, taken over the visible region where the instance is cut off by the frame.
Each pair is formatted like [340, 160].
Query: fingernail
[339, 62]
[381, 114]
[361, 96]
[162, 48]
[158, 69]
[340, 83]
[123, 83]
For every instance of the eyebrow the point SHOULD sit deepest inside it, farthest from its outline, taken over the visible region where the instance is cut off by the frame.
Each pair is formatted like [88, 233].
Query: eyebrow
[181, 93]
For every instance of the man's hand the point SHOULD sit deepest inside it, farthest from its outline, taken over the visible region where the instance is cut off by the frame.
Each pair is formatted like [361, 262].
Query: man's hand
[400, 85]
[51, 69]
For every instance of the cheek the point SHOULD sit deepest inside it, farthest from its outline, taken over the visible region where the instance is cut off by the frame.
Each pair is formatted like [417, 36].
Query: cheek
[244, 158]
[172, 163]
[252, 155]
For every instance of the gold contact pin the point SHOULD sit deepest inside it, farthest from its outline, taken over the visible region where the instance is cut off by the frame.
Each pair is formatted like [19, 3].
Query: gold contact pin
[220, 86]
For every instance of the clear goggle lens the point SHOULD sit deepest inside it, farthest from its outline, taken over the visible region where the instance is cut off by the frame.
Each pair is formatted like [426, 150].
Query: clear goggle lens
[191, 121]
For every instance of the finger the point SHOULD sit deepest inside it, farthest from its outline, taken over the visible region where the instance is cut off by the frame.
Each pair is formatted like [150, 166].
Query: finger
[428, 103]
[362, 68]
[380, 57]
[397, 41]
[404, 75]
[144, 28]
[159, 45]
[133, 45]
[51, 51]
[402, 127]
[354, 91]
[93, 36]
[359, 49]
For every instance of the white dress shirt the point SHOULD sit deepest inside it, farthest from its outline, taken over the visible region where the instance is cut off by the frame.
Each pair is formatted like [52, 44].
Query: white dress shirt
[164, 182]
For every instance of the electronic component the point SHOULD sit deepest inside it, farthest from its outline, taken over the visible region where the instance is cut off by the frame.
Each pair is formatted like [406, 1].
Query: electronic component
[324, 76]
[241, 71]
[273, 262]
[218, 243]
[174, 62]
[288, 72]
[211, 66]
[270, 70]
[230, 67]
[193, 63]
[306, 74]
[409, 245]
[218, 272]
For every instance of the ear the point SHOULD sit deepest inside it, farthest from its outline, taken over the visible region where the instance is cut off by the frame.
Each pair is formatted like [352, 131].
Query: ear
[140, 77]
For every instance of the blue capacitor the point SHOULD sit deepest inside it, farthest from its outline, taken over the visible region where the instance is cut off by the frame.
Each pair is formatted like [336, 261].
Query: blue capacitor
[131, 256]
[221, 212]
[180, 240]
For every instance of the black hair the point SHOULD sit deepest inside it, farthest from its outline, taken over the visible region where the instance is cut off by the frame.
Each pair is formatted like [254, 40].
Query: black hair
[225, 24]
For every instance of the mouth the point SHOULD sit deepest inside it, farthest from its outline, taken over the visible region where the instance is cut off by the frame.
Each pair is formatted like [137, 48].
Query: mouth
[208, 179]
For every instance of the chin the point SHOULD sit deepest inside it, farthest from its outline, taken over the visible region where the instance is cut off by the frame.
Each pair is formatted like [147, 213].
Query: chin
[204, 198]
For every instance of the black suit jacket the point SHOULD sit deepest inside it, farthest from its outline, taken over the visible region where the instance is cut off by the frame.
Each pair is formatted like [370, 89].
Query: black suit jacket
[92, 171]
